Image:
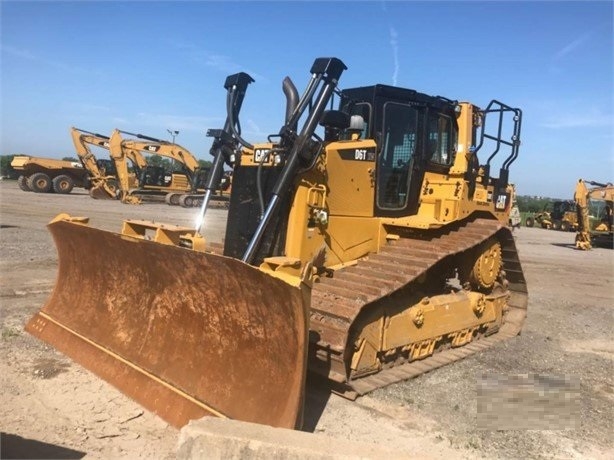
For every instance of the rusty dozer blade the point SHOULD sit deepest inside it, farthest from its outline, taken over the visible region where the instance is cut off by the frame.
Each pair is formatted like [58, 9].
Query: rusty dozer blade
[184, 333]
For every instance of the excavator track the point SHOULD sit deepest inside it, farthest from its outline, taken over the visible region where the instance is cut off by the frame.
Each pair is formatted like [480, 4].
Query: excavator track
[194, 200]
[337, 302]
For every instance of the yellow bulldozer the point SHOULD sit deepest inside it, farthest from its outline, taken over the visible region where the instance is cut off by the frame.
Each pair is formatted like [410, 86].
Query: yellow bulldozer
[370, 252]
[556, 215]
[564, 215]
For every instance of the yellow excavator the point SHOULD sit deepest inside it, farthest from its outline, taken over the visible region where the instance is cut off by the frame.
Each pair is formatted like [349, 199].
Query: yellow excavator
[371, 252]
[594, 207]
[194, 198]
[103, 173]
[153, 181]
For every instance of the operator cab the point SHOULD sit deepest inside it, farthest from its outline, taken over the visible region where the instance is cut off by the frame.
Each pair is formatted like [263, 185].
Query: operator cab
[559, 208]
[154, 176]
[106, 167]
[414, 133]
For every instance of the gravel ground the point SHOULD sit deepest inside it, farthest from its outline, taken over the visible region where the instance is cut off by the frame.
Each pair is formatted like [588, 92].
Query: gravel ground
[50, 407]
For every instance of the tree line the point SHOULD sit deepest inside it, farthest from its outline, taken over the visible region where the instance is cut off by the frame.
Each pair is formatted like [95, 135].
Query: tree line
[528, 203]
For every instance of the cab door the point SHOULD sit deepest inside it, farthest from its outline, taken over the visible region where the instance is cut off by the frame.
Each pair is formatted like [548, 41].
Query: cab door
[398, 163]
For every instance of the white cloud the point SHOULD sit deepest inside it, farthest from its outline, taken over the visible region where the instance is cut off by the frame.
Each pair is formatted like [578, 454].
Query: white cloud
[572, 46]
[220, 62]
[25, 54]
[254, 130]
[395, 53]
[394, 44]
[581, 120]
[28, 55]
[91, 107]
[178, 122]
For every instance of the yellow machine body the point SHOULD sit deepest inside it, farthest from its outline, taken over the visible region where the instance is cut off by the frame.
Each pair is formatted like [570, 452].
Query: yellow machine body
[386, 238]
[332, 225]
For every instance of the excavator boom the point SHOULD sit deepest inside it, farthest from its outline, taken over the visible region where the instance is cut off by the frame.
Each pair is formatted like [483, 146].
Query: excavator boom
[103, 184]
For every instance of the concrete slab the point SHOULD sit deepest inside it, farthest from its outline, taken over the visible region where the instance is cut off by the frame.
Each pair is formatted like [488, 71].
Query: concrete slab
[215, 438]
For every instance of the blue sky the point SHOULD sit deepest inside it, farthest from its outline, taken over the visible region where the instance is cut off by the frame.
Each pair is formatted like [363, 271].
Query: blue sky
[151, 66]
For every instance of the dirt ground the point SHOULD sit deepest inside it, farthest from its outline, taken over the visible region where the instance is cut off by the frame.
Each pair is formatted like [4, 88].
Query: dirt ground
[50, 407]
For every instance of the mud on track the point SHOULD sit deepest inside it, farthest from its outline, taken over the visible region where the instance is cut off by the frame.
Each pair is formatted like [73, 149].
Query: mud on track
[51, 407]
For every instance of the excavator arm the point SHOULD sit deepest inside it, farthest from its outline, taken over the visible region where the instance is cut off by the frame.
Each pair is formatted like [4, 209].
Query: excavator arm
[120, 159]
[103, 185]
[153, 146]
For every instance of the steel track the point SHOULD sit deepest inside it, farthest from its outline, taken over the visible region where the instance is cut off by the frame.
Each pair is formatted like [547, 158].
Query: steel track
[337, 301]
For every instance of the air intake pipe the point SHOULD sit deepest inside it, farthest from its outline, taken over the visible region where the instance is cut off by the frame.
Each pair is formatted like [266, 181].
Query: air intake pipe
[291, 101]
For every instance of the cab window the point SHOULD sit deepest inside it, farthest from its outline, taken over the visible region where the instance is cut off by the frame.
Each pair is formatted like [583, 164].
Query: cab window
[440, 140]
[396, 157]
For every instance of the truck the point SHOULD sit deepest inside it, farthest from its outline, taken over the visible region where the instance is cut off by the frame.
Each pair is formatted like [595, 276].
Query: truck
[44, 175]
